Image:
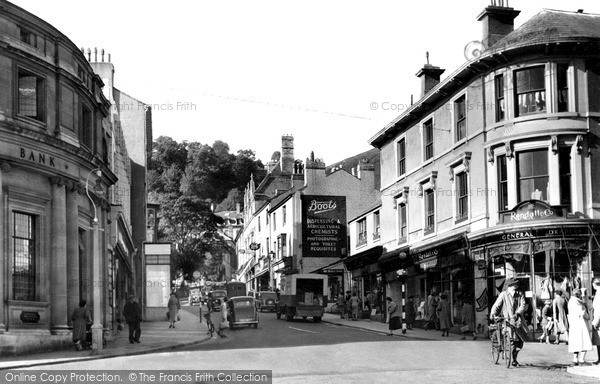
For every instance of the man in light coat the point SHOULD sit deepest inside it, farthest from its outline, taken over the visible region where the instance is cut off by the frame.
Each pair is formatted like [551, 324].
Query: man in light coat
[511, 303]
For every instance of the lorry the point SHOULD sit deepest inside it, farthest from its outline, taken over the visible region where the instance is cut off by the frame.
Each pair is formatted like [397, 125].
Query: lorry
[303, 295]
[235, 289]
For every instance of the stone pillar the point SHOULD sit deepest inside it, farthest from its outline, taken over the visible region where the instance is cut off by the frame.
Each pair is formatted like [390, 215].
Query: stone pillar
[58, 294]
[4, 169]
[73, 281]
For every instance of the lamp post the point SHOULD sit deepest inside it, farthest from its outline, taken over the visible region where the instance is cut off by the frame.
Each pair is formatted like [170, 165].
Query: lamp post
[270, 257]
[96, 286]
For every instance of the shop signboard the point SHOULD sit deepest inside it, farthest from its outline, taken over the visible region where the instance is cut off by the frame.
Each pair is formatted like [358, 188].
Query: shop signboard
[323, 226]
[531, 210]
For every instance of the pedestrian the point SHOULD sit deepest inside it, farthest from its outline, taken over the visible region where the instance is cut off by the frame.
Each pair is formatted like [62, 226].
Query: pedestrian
[547, 322]
[410, 312]
[348, 305]
[431, 310]
[224, 317]
[596, 318]
[467, 315]
[81, 318]
[342, 306]
[174, 308]
[354, 306]
[133, 316]
[559, 316]
[393, 315]
[368, 302]
[579, 334]
[443, 313]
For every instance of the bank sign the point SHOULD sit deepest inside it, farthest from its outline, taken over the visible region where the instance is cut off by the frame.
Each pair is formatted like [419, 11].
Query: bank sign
[323, 226]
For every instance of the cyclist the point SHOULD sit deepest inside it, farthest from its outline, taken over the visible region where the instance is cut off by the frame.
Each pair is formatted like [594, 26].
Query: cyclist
[511, 303]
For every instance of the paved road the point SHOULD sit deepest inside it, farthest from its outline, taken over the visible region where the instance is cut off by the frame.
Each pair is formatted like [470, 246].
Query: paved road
[307, 352]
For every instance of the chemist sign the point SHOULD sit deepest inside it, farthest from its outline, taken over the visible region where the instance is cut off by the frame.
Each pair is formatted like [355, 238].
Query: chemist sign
[323, 226]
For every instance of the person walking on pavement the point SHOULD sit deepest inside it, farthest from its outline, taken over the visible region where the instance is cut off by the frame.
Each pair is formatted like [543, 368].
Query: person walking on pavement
[596, 318]
[174, 307]
[224, 318]
[579, 334]
[443, 312]
[559, 314]
[467, 315]
[81, 318]
[511, 304]
[393, 315]
[348, 299]
[133, 316]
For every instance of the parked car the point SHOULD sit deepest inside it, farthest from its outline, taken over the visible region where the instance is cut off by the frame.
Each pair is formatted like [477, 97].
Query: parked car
[215, 299]
[242, 311]
[267, 300]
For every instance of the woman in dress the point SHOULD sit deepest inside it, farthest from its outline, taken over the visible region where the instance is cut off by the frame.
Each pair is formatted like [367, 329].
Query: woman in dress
[393, 315]
[547, 322]
[174, 308]
[559, 316]
[81, 318]
[579, 334]
[596, 318]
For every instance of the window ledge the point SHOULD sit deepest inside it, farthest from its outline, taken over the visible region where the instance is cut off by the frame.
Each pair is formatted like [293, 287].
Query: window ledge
[461, 220]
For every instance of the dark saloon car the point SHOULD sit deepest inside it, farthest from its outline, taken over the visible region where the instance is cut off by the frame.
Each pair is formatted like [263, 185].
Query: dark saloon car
[267, 300]
[215, 299]
[242, 311]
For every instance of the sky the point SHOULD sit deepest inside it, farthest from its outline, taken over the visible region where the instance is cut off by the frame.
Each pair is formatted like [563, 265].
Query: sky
[331, 73]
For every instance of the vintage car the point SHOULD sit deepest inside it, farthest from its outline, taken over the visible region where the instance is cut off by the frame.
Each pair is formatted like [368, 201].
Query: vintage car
[267, 300]
[242, 311]
[215, 299]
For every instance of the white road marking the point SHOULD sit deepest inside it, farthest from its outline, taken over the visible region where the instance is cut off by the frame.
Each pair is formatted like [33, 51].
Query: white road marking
[303, 330]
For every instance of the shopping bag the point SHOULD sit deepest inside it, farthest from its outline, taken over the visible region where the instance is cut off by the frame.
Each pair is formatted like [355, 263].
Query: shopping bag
[464, 329]
[178, 317]
[224, 324]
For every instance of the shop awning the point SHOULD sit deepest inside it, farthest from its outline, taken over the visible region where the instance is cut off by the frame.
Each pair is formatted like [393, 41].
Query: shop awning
[333, 268]
[364, 258]
[397, 259]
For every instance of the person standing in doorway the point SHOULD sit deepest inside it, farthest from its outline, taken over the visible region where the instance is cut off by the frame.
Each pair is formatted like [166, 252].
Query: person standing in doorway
[354, 306]
[431, 313]
[443, 312]
[133, 316]
[468, 318]
[410, 312]
[559, 314]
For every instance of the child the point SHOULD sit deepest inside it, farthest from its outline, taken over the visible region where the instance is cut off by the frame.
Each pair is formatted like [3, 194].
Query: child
[547, 322]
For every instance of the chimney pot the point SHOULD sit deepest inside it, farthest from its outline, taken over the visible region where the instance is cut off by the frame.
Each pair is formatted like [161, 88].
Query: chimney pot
[497, 22]
[430, 77]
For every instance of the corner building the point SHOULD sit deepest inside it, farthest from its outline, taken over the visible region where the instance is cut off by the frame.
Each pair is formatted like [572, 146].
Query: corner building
[491, 174]
[55, 136]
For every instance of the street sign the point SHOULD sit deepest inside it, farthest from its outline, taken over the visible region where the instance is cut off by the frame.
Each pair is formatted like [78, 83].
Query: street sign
[196, 274]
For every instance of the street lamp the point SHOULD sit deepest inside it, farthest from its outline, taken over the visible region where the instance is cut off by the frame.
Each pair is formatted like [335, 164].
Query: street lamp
[96, 286]
[270, 257]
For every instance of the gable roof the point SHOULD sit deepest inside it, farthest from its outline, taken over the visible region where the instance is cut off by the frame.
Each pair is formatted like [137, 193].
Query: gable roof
[372, 156]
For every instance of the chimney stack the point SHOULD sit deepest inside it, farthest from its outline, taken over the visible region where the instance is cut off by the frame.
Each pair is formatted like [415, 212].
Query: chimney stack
[497, 21]
[430, 76]
[287, 154]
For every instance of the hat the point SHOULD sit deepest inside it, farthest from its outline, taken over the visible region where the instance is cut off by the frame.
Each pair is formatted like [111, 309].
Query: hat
[511, 281]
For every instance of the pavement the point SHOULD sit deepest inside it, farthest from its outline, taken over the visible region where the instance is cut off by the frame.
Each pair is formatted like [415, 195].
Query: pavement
[558, 354]
[158, 337]
[155, 337]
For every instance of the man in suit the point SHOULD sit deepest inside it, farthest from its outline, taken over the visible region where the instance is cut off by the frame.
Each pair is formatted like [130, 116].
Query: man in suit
[510, 304]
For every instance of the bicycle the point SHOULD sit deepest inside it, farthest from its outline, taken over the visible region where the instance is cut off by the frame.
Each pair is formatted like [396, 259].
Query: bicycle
[502, 335]
[209, 324]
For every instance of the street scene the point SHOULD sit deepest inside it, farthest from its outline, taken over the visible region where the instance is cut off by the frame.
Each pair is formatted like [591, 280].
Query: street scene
[279, 192]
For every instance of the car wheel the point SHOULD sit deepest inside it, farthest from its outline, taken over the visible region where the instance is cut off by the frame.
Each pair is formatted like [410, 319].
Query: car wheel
[278, 315]
[255, 325]
[303, 317]
[317, 319]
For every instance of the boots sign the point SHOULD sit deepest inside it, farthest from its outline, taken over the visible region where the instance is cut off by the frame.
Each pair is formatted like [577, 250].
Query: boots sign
[323, 226]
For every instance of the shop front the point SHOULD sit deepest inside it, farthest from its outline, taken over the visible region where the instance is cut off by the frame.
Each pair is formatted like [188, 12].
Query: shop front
[335, 279]
[366, 279]
[393, 271]
[544, 257]
[444, 267]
